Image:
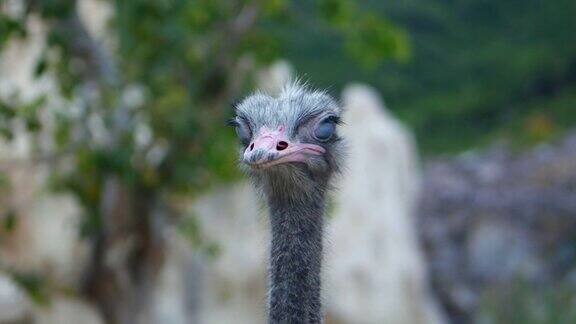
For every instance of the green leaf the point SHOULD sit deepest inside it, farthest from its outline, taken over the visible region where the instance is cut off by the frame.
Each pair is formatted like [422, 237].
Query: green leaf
[41, 66]
[34, 286]
[9, 221]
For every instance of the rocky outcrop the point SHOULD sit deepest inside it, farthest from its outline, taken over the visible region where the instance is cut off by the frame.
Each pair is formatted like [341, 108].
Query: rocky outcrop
[233, 286]
[14, 304]
[67, 310]
[491, 220]
[375, 272]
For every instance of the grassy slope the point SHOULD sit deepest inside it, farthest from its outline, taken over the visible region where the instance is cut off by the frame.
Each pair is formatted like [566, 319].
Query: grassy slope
[480, 70]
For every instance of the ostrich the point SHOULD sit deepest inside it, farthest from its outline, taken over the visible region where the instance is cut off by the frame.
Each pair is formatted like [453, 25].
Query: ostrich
[290, 149]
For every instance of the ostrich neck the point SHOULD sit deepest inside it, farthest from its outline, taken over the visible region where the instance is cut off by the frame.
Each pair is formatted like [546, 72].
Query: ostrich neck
[295, 258]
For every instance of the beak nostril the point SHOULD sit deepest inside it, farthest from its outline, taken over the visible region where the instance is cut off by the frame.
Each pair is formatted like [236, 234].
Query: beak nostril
[281, 145]
[251, 146]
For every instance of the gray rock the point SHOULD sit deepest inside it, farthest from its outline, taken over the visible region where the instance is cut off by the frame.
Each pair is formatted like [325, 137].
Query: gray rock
[489, 219]
[14, 305]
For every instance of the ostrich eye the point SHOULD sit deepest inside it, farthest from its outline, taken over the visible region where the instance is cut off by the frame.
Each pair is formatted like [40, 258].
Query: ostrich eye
[242, 130]
[325, 129]
[243, 133]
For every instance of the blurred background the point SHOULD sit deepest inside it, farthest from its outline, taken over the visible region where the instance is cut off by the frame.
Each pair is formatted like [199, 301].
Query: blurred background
[121, 202]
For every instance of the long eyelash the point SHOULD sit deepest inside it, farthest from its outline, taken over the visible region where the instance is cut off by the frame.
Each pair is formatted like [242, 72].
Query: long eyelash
[335, 119]
[232, 122]
[332, 118]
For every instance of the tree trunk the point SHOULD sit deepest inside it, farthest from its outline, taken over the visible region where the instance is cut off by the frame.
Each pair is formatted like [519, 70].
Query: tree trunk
[128, 253]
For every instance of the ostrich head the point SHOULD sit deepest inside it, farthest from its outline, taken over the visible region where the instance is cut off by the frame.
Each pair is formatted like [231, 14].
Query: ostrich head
[289, 143]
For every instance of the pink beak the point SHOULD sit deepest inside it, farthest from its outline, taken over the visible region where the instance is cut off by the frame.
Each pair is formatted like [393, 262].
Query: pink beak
[273, 147]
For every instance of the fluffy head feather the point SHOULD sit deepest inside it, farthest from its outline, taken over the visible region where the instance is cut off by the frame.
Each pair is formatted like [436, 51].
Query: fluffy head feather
[298, 111]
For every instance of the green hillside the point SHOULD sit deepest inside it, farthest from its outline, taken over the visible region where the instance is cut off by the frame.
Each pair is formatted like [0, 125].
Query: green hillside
[478, 70]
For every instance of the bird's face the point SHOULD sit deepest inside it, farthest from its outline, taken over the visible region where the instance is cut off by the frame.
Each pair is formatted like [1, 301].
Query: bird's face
[297, 130]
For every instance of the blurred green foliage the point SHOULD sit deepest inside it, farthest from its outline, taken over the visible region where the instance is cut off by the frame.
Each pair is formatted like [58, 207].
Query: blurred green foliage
[522, 303]
[479, 70]
[181, 60]
[34, 285]
[142, 112]
[192, 230]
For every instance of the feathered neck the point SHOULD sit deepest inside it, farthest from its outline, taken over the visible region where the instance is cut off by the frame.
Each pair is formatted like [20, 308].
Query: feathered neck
[296, 208]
